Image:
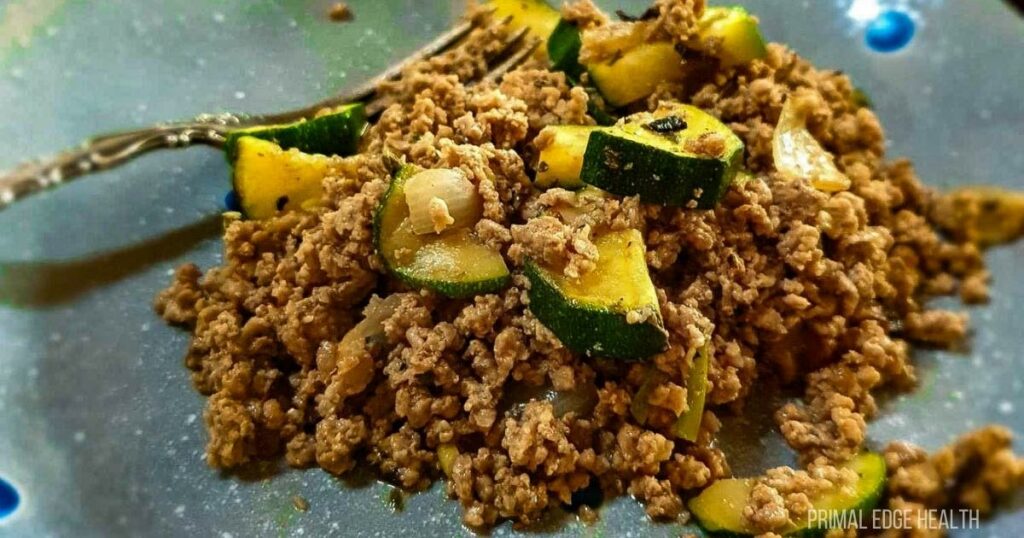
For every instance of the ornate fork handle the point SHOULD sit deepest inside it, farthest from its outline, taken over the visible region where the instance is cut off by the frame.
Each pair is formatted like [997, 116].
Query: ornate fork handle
[107, 152]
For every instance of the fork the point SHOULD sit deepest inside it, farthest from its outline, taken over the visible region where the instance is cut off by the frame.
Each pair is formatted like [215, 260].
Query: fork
[106, 151]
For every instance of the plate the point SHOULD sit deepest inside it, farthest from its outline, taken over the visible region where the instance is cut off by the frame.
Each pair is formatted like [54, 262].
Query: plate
[100, 431]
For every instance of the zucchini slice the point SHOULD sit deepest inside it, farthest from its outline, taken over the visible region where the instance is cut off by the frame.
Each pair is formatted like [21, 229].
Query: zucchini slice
[637, 73]
[536, 15]
[269, 179]
[564, 53]
[719, 508]
[336, 132]
[732, 35]
[597, 109]
[562, 159]
[454, 263]
[687, 426]
[564, 50]
[591, 315]
[672, 156]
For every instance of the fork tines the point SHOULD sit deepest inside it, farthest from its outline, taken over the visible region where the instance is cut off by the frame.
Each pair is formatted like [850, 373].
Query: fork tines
[514, 49]
[518, 51]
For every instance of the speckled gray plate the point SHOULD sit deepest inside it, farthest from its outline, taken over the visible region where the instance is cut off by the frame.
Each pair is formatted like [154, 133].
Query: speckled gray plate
[99, 427]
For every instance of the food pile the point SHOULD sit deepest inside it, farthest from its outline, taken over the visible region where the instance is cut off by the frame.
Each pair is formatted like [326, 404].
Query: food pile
[561, 280]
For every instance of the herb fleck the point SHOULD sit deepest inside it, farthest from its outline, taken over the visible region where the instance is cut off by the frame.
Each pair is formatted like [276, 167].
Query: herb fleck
[668, 124]
[650, 14]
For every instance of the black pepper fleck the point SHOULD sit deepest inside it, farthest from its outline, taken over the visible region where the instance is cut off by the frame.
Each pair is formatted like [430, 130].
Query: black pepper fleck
[668, 124]
[650, 14]
[281, 202]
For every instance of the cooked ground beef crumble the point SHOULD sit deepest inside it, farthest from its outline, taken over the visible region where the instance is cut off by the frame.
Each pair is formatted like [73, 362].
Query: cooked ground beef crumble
[791, 283]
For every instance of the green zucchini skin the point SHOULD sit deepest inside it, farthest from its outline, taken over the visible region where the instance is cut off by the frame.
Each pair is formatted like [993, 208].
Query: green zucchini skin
[871, 488]
[628, 168]
[726, 534]
[868, 503]
[564, 50]
[589, 330]
[872, 469]
[453, 290]
[597, 110]
[564, 53]
[337, 133]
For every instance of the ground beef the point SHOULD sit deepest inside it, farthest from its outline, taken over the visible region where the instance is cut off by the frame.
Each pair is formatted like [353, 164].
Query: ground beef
[177, 304]
[780, 282]
[785, 495]
[584, 14]
[552, 242]
[677, 19]
[973, 473]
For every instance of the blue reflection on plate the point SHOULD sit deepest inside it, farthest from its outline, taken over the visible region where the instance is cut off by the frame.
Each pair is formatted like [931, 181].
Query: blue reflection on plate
[890, 31]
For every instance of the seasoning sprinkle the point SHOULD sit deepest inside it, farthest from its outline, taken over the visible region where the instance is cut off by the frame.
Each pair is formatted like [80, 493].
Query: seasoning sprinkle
[668, 124]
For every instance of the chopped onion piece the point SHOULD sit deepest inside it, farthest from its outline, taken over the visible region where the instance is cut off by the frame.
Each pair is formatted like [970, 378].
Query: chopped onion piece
[441, 199]
[351, 360]
[581, 399]
[798, 155]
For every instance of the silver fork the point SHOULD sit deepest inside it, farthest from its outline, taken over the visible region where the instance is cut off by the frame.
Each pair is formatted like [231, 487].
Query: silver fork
[103, 152]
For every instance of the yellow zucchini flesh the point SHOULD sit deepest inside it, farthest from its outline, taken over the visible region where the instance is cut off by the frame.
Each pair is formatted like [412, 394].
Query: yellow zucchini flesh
[688, 425]
[561, 160]
[732, 35]
[719, 508]
[270, 180]
[611, 311]
[454, 263]
[637, 72]
[536, 15]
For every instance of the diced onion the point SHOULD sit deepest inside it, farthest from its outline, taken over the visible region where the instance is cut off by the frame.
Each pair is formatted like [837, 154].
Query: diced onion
[581, 399]
[798, 155]
[441, 199]
[350, 360]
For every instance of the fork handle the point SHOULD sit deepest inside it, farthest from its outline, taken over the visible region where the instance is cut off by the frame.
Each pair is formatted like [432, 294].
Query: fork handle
[103, 152]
